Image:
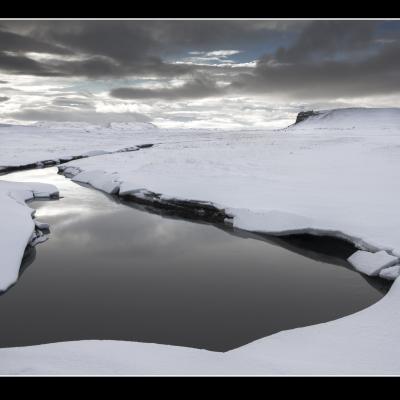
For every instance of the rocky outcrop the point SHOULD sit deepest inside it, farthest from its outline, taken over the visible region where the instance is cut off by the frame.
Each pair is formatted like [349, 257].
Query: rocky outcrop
[303, 115]
[190, 209]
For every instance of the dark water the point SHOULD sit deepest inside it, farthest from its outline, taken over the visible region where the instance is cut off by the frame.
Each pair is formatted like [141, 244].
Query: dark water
[112, 271]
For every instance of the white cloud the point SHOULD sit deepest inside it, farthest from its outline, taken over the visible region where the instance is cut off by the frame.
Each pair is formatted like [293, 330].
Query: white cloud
[215, 53]
[208, 58]
[222, 53]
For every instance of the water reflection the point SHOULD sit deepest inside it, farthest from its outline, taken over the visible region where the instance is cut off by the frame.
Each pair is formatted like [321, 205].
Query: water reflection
[319, 248]
[111, 271]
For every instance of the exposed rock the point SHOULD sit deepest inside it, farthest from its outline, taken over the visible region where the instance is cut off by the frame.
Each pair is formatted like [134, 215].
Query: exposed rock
[190, 209]
[303, 115]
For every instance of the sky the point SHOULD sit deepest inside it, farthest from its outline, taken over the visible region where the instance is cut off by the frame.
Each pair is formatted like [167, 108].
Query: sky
[225, 74]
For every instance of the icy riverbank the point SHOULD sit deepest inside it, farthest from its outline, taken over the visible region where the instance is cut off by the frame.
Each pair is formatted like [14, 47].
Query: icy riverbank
[314, 177]
[17, 228]
[334, 173]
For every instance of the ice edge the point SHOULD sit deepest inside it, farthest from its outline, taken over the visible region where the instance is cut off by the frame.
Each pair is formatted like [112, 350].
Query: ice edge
[211, 212]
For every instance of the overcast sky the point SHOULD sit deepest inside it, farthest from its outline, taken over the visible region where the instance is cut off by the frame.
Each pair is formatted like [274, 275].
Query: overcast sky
[201, 74]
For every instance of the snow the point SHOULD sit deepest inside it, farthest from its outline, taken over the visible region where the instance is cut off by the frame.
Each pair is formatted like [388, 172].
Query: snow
[99, 179]
[67, 125]
[17, 227]
[333, 174]
[94, 153]
[390, 273]
[371, 263]
[62, 140]
[131, 126]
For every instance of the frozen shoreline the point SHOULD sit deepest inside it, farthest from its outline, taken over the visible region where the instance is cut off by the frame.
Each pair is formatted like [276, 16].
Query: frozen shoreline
[62, 160]
[18, 226]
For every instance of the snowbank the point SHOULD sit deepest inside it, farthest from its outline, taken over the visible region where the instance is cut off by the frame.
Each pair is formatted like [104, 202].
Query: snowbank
[17, 227]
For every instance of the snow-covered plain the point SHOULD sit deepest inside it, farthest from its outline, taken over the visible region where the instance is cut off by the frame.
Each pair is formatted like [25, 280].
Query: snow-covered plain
[335, 173]
[29, 144]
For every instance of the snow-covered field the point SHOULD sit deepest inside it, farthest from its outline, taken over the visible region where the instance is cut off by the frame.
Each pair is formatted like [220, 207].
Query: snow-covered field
[29, 144]
[335, 173]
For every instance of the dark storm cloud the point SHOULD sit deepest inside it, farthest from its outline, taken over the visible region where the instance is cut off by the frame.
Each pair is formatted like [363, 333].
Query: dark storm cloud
[130, 40]
[16, 64]
[94, 67]
[118, 48]
[212, 35]
[16, 43]
[99, 66]
[327, 39]
[326, 59]
[103, 48]
[330, 59]
[330, 80]
[4, 98]
[199, 87]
